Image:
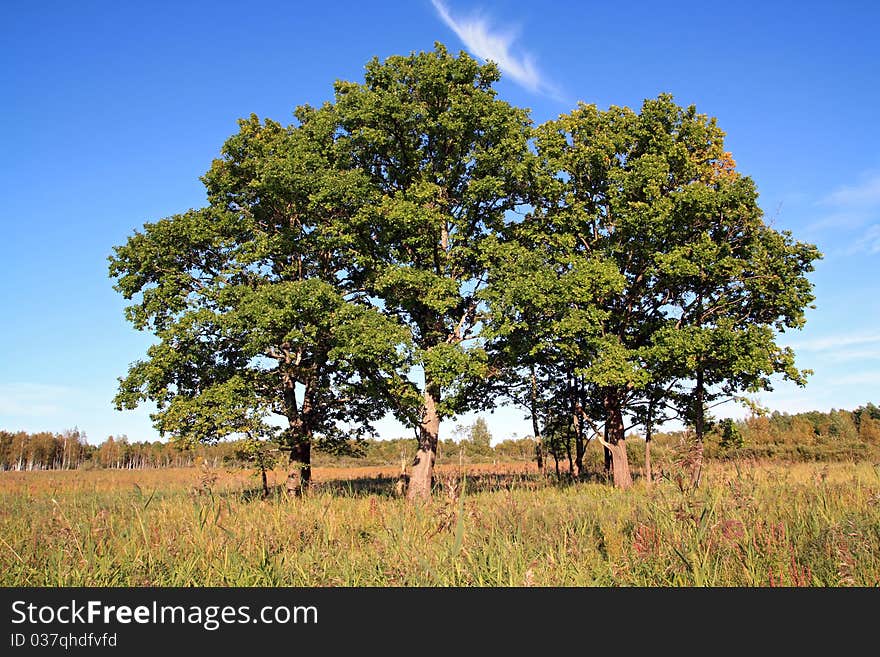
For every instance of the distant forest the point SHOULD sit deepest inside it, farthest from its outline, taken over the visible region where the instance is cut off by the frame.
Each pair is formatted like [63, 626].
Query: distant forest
[813, 436]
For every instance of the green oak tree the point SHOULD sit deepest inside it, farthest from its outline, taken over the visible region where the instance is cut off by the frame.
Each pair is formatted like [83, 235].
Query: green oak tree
[543, 325]
[260, 329]
[688, 287]
[732, 284]
[446, 159]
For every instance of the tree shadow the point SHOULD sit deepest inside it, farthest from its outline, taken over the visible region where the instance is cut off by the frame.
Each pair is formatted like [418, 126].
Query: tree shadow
[380, 486]
[389, 486]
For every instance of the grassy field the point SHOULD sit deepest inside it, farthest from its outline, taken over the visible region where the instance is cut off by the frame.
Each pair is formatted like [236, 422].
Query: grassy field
[748, 525]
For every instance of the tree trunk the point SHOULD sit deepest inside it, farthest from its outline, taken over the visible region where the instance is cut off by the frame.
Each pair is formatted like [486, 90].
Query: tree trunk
[579, 448]
[606, 452]
[699, 430]
[300, 437]
[536, 430]
[300, 473]
[577, 420]
[649, 430]
[422, 474]
[616, 443]
[620, 463]
[568, 454]
[265, 480]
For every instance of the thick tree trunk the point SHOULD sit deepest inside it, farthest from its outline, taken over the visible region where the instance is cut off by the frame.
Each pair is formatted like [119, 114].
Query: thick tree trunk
[606, 452]
[568, 454]
[577, 425]
[579, 446]
[421, 477]
[616, 443]
[536, 430]
[622, 475]
[699, 430]
[264, 479]
[300, 474]
[649, 431]
[300, 436]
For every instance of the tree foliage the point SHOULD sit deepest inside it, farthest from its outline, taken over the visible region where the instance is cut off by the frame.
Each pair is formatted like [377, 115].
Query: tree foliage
[445, 159]
[256, 317]
[645, 267]
[416, 247]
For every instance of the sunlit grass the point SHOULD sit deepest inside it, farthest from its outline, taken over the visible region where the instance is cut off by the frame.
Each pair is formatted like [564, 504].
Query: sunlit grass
[748, 525]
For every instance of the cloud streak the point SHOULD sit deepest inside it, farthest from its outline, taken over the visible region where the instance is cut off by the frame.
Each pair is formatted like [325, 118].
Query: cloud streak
[856, 354]
[32, 399]
[869, 242]
[866, 193]
[490, 43]
[832, 342]
[857, 378]
[855, 207]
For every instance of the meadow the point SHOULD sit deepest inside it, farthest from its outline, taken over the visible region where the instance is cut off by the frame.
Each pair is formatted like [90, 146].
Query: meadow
[750, 523]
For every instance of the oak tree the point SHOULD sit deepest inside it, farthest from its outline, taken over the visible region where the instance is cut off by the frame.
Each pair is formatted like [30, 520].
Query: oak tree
[445, 159]
[689, 287]
[260, 330]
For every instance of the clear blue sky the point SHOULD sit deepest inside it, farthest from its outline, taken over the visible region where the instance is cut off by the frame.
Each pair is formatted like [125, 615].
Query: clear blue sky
[112, 111]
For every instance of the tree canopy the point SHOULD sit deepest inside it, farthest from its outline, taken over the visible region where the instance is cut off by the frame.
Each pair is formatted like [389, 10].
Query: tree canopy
[416, 247]
[256, 316]
[644, 270]
[445, 159]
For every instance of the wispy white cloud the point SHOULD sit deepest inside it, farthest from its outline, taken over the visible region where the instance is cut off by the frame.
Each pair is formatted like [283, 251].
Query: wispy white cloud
[840, 360]
[833, 342]
[30, 406]
[844, 219]
[869, 242]
[852, 208]
[32, 399]
[864, 193]
[856, 354]
[825, 390]
[496, 44]
[858, 378]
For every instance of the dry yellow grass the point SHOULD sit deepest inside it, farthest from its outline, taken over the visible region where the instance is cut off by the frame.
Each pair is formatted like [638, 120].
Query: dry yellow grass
[751, 524]
[227, 479]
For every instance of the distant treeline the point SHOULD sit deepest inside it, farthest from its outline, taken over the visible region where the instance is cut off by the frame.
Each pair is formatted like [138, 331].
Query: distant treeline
[69, 450]
[838, 435]
[812, 436]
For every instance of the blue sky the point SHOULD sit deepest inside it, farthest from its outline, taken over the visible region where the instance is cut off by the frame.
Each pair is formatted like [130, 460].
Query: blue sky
[113, 110]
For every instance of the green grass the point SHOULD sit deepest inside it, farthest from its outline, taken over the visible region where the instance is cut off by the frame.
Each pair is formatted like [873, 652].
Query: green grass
[748, 525]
